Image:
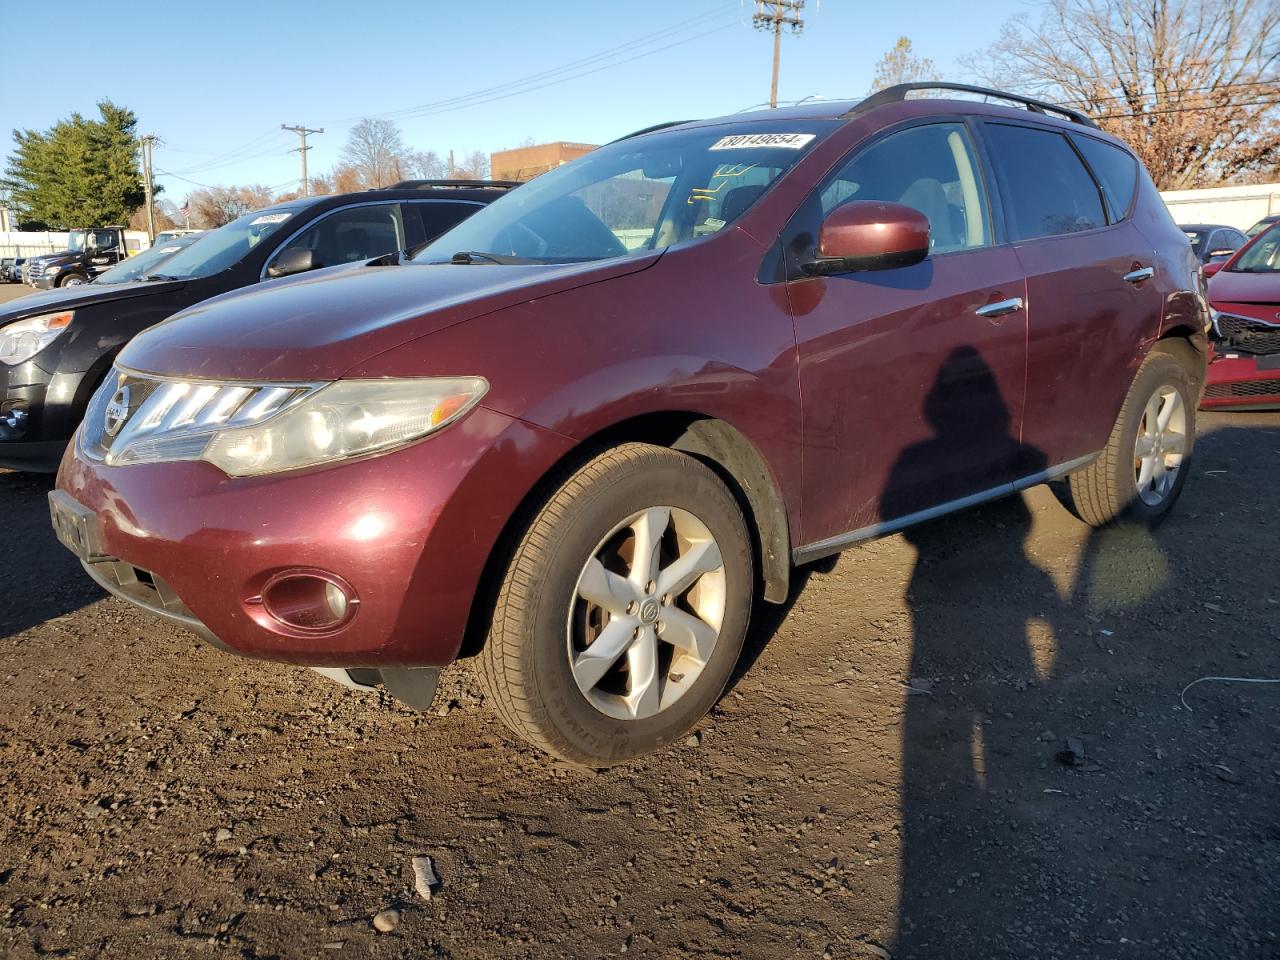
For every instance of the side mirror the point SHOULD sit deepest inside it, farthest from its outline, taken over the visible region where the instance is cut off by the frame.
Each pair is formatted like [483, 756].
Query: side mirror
[1210, 269]
[870, 235]
[294, 260]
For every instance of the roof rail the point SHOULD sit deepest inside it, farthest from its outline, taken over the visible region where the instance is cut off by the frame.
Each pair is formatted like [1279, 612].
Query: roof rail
[898, 93]
[459, 184]
[656, 127]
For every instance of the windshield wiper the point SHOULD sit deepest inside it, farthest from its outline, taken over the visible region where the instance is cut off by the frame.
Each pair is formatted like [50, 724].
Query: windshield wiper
[475, 256]
[159, 276]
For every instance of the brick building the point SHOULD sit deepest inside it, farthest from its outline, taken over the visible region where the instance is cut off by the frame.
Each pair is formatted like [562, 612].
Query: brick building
[525, 163]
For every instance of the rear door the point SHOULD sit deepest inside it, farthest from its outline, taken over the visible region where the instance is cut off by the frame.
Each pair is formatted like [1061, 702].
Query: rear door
[1094, 298]
[911, 378]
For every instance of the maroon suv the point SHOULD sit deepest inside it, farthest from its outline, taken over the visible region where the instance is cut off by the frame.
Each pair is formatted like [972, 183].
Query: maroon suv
[579, 434]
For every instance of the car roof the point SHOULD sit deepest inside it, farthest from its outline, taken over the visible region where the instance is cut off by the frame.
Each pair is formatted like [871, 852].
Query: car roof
[907, 100]
[461, 190]
[1205, 227]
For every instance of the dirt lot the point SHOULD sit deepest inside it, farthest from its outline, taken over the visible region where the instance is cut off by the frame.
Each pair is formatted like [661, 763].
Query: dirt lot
[12, 291]
[880, 780]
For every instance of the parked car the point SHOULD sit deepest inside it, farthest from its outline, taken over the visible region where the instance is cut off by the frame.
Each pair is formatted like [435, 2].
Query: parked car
[1244, 296]
[11, 269]
[56, 347]
[164, 236]
[88, 253]
[582, 458]
[1262, 224]
[146, 263]
[1212, 242]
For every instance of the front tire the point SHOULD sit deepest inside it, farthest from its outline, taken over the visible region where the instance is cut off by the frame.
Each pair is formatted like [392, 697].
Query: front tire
[72, 280]
[1141, 471]
[623, 609]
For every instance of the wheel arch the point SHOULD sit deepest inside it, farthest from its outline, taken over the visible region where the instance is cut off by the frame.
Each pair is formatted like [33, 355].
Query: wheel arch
[714, 442]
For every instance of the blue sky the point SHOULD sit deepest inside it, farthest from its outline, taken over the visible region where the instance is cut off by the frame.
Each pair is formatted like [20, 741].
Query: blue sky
[219, 78]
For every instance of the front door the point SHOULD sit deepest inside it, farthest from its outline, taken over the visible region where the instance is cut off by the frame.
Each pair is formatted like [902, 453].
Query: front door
[911, 378]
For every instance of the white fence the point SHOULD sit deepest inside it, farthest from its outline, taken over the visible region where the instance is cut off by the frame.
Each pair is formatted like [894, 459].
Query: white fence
[31, 243]
[1239, 207]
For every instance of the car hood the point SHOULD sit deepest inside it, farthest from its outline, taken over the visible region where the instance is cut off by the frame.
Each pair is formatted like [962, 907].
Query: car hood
[1230, 287]
[316, 327]
[71, 298]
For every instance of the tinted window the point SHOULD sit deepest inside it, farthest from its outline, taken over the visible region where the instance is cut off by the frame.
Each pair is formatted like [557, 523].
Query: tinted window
[930, 168]
[1115, 169]
[357, 233]
[1048, 189]
[438, 216]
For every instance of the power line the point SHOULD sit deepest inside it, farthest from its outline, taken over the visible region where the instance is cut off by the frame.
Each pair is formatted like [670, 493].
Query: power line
[1174, 92]
[773, 15]
[1214, 106]
[528, 84]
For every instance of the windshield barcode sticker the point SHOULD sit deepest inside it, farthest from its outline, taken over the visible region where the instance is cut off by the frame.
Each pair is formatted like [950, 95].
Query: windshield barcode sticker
[789, 141]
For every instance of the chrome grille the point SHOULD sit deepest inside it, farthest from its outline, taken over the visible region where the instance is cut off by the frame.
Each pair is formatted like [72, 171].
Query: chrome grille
[1248, 333]
[133, 418]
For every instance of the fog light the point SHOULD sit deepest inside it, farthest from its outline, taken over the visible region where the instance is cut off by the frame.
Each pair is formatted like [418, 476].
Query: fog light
[309, 601]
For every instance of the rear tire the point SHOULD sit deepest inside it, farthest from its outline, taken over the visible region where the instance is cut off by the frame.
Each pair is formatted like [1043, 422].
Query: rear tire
[580, 599]
[1140, 473]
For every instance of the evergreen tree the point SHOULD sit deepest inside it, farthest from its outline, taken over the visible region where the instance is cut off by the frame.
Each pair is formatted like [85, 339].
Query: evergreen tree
[78, 173]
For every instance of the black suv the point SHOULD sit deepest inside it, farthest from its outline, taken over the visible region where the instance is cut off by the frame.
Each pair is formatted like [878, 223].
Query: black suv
[56, 346]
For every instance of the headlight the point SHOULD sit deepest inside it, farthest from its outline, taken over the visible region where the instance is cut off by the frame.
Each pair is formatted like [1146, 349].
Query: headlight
[247, 429]
[21, 341]
[348, 418]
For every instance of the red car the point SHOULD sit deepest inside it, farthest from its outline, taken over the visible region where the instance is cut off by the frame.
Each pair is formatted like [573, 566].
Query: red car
[1244, 296]
[582, 432]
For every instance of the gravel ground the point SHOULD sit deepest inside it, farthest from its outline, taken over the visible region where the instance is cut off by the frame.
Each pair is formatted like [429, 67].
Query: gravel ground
[882, 779]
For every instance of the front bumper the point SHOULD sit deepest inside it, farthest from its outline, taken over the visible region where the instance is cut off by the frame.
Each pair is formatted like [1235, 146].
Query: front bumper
[1242, 381]
[410, 532]
[39, 412]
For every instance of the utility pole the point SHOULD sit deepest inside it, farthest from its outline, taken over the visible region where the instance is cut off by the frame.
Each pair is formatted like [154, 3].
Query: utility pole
[774, 15]
[148, 186]
[302, 132]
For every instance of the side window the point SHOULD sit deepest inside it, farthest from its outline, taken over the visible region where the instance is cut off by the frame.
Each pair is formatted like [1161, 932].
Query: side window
[931, 168]
[357, 233]
[1048, 189]
[1115, 169]
[438, 216]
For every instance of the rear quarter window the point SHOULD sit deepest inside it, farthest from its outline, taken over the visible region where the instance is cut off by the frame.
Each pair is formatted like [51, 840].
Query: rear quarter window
[1047, 189]
[1115, 169]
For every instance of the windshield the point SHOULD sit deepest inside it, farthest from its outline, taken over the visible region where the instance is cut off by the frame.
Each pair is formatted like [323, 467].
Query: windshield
[633, 196]
[75, 240]
[142, 264]
[1263, 256]
[220, 249]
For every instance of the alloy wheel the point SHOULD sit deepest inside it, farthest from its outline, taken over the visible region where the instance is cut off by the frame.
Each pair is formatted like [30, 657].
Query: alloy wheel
[1161, 445]
[647, 612]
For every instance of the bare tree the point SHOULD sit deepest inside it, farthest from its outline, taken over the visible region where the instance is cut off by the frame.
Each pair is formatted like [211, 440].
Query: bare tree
[474, 166]
[376, 151]
[1190, 84]
[425, 165]
[900, 65]
[214, 206]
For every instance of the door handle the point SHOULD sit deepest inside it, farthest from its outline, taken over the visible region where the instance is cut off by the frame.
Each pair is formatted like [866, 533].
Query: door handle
[1137, 276]
[1000, 308]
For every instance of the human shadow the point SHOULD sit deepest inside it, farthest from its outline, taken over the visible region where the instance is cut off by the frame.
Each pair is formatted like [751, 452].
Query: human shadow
[984, 622]
[42, 580]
